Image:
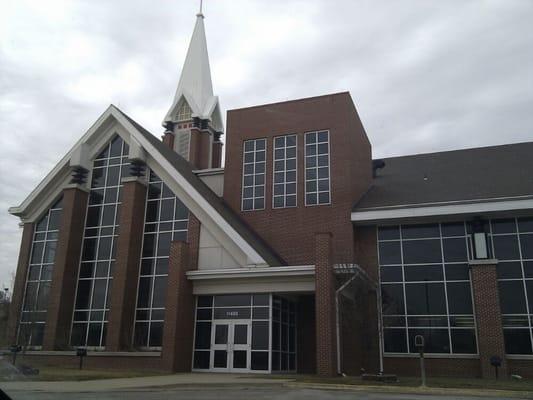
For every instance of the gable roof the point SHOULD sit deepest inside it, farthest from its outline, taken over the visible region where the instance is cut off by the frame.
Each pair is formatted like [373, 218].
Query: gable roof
[460, 176]
[215, 212]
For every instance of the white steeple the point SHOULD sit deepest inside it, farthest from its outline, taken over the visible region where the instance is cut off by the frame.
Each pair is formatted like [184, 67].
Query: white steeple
[195, 86]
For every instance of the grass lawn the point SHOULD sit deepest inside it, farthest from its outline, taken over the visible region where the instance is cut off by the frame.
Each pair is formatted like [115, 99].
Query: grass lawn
[460, 383]
[74, 374]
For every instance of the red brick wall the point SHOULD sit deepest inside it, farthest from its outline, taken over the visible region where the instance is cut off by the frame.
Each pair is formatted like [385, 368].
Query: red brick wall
[179, 312]
[20, 283]
[217, 155]
[326, 357]
[488, 318]
[126, 271]
[523, 368]
[406, 366]
[66, 265]
[290, 231]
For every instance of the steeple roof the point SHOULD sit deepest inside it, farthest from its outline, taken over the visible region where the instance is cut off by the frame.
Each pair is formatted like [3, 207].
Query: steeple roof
[195, 84]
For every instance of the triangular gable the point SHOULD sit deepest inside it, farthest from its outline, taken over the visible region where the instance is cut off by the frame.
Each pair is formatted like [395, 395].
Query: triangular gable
[221, 221]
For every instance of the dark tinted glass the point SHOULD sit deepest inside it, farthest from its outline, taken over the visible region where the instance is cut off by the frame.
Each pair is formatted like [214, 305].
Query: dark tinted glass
[201, 359]
[392, 299]
[512, 297]
[205, 301]
[526, 244]
[456, 272]
[455, 250]
[391, 274]
[395, 340]
[388, 232]
[435, 340]
[464, 341]
[160, 290]
[259, 360]
[504, 226]
[260, 335]
[420, 231]
[425, 298]
[203, 335]
[509, 270]
[459, 298]
[156, 334]
[233, 300]
[423, 273]
[525, 224]
[517, 341]
[390, 253]
[422, 251]
[453, 229]
[506, 247]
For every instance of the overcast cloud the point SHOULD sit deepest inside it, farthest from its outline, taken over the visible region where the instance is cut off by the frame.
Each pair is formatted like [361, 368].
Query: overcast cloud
[424, 75]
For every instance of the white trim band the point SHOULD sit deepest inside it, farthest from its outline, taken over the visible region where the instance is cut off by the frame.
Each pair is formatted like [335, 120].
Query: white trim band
[438, 210]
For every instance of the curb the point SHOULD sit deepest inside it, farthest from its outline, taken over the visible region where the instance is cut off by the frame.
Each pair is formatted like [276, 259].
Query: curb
[415, 390]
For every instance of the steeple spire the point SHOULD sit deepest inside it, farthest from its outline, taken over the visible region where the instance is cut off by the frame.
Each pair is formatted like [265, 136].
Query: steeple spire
[194, 100]
[195, 86]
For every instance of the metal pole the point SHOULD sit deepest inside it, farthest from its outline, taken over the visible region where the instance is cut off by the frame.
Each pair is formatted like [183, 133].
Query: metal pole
[422, 369]
[380, 329]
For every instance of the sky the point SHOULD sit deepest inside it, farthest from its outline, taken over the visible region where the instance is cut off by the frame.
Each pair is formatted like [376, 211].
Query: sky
[425, 75]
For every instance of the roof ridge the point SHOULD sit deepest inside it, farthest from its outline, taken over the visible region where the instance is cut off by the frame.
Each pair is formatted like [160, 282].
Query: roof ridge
[455, 150]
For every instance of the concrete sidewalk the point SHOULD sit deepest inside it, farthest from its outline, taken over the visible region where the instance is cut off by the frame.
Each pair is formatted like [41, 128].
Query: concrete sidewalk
[103, 385]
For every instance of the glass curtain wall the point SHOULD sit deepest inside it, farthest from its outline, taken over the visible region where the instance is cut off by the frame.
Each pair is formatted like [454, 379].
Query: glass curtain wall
[39, 278]
[99, 246]
[166, 220]
[512, 241]
[426, 290]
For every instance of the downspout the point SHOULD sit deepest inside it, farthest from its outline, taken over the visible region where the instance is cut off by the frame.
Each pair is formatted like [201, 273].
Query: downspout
[337, 315]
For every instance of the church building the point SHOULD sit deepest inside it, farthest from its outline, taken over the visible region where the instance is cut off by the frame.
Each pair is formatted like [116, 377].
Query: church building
[301, 254]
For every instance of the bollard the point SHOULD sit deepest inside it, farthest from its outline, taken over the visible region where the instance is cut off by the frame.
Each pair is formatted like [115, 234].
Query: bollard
[81, 352]
[419, 344]
[496, 362]
[15, 348]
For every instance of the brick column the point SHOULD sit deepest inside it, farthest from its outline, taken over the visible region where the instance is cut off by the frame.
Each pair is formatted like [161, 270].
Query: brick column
[168, 139]
[216, 156]
[66, 265]
[17, 297]
[488, 316]
[126, 271]
[179, 312]
[326, 357]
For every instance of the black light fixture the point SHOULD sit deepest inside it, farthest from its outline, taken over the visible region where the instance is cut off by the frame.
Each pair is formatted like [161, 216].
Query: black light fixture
[479, 239]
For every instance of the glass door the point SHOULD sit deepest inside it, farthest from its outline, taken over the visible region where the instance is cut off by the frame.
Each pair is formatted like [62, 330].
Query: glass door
[231, 346]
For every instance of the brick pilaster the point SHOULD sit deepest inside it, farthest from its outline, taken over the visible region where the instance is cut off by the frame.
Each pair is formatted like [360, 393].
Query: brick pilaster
[488, 317]
[66, 265]
[126, 271]
[179, 312]
[216, 156]
[17, 297]
[326, 358]
[168, 139]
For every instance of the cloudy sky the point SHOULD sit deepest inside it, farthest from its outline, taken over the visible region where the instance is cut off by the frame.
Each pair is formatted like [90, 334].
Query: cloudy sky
[425, 75]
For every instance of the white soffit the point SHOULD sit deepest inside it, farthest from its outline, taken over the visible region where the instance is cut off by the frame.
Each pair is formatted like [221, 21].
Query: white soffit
[443, 209]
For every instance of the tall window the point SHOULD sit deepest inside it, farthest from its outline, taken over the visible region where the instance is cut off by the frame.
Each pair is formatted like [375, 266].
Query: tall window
[284, 171]
[317, 180]
[99, 244]
[39, 277]
[253, 178]
[512, 241]
[425, 287]
[166, 220]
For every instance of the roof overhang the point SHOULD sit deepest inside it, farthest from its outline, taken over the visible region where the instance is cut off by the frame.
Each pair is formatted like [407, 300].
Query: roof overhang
[289, 279]
[444, 209]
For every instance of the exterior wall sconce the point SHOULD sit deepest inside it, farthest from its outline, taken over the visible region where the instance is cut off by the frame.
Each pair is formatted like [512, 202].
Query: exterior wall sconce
[479, 239]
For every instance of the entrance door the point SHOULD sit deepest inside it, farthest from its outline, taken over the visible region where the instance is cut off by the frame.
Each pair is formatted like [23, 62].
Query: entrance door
[231, 346]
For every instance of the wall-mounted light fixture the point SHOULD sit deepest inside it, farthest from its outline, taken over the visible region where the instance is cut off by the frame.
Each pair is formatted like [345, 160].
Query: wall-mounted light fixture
[479, 239]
